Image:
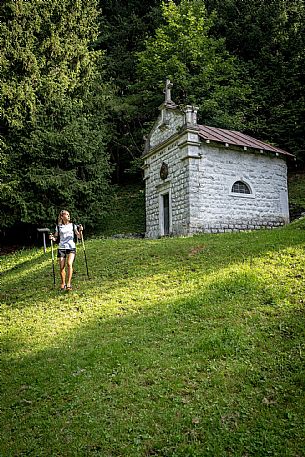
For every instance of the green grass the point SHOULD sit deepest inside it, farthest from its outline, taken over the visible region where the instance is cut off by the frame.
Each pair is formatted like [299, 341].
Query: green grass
[174, 347]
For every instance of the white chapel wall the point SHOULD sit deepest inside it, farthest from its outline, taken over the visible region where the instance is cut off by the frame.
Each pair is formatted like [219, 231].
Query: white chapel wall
[176, 184]
[168, 124]
[216, 209]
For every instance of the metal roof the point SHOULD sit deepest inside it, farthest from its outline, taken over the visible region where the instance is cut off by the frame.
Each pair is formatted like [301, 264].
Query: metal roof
[231, 137]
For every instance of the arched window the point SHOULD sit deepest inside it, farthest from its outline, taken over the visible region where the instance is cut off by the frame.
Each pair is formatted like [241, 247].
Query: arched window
[239, 187]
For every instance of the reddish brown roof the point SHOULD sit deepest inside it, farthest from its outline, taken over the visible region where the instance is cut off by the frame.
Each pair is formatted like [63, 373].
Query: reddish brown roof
[231, 137]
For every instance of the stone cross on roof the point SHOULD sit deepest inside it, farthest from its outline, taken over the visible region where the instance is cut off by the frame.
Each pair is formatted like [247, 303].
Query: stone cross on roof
[167, 92]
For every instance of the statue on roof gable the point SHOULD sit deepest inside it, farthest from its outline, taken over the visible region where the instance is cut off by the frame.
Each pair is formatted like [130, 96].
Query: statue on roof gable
[167, 92]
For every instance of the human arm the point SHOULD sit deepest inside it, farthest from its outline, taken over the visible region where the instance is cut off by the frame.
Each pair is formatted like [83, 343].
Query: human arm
[79, 231]
[54, 236]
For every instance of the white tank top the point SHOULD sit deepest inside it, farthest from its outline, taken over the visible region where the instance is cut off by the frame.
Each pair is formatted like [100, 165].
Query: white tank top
[66, 236]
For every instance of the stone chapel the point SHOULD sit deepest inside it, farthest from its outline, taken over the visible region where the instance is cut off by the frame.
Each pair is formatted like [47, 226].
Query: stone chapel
[207, 179]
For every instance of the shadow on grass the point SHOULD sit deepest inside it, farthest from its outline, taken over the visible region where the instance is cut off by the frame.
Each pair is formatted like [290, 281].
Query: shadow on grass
[211, 375]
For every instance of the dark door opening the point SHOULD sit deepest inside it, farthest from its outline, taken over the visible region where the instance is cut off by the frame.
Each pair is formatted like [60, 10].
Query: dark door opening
[165, 214]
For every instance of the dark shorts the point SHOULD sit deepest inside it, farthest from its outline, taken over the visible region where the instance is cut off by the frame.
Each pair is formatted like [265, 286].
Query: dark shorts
[63, 253]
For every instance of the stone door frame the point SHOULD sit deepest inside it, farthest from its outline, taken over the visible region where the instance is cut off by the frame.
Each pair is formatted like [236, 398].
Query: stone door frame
[164, 191]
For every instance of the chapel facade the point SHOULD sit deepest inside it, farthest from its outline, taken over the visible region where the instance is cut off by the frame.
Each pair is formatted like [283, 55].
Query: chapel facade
[206, 179]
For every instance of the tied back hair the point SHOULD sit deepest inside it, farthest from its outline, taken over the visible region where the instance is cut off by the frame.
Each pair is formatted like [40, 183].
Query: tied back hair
[59, 219]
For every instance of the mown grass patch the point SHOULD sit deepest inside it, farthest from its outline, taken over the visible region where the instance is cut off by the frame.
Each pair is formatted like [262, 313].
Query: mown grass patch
[174, 347]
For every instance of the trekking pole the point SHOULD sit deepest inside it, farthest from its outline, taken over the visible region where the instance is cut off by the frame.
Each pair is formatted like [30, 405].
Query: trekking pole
[52, 250]
[83, 243]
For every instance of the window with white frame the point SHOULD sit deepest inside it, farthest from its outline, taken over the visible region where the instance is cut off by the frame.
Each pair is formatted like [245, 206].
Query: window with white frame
[240, 187]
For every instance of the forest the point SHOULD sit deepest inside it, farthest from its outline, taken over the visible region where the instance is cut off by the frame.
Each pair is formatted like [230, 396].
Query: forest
[81, 82]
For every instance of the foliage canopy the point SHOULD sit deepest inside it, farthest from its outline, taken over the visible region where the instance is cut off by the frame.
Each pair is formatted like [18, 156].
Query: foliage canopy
[53, 101]
[204, 73]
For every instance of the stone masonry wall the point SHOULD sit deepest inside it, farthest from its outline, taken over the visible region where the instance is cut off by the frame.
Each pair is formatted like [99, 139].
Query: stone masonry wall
[214, 208]
[176, 184]
[168, 123]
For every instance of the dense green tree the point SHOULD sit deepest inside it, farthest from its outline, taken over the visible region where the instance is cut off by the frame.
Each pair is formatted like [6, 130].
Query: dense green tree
[53, 102]
[269, 37]
[202, 70]
[123, 29]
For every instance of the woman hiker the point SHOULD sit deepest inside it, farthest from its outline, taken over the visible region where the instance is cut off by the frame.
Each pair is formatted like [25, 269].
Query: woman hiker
[66, 230]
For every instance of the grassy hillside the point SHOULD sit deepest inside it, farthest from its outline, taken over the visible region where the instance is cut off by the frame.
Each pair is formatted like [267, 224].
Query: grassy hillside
[296, 187]
[174, 347]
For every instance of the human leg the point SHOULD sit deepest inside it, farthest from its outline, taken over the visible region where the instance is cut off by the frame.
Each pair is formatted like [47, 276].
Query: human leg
[62, 266]
[70, 260]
